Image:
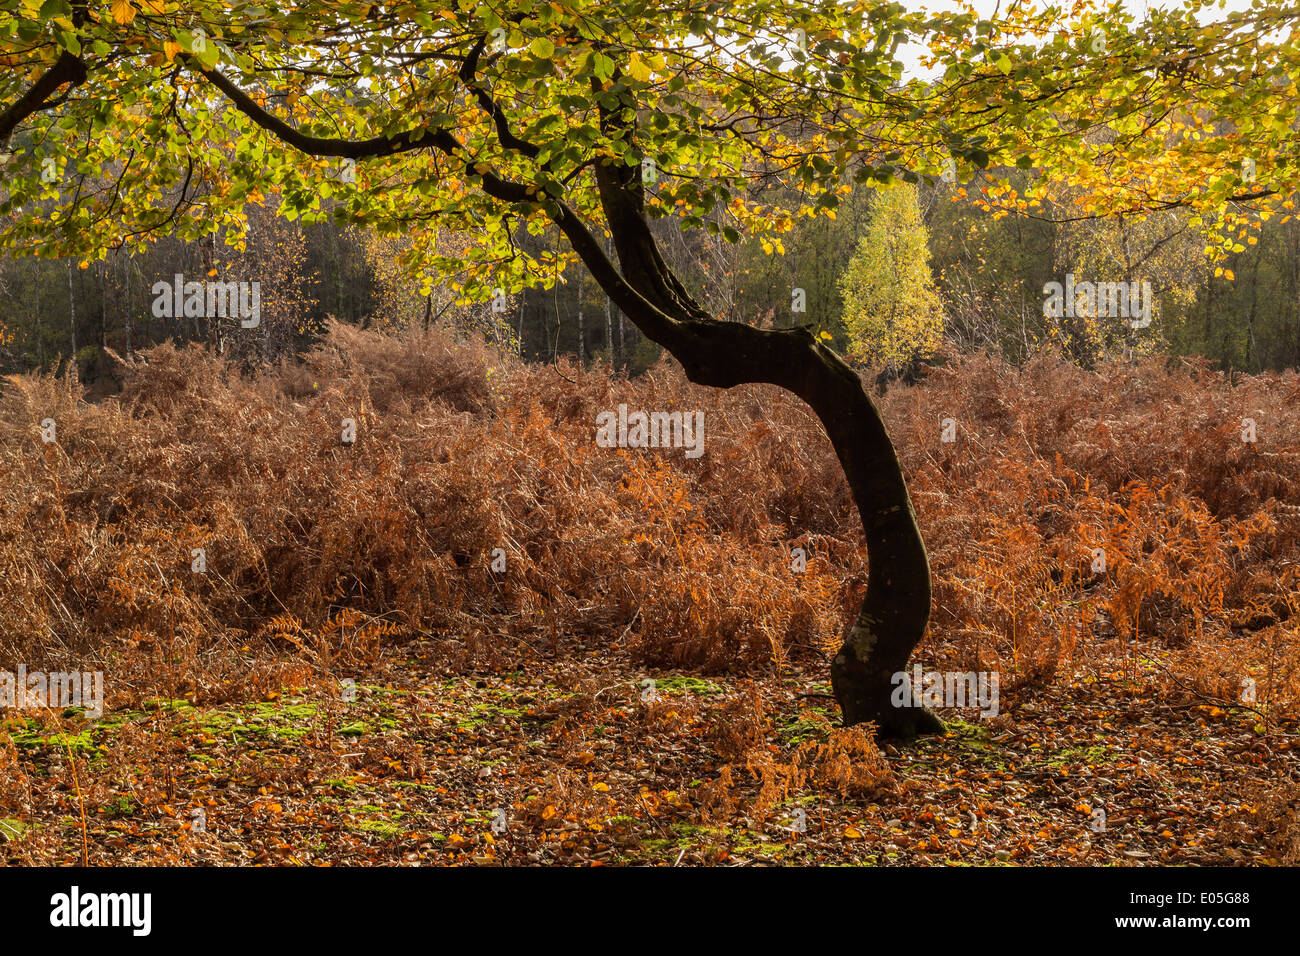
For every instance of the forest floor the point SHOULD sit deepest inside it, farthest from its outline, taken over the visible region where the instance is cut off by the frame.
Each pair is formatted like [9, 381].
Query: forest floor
[571, 759]
[432, 645]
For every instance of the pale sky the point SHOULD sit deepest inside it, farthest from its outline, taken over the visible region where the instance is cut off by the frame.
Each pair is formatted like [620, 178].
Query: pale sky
[911, 53]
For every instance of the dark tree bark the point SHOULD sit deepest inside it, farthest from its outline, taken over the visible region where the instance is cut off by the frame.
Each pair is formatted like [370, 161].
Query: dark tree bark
[67, 69]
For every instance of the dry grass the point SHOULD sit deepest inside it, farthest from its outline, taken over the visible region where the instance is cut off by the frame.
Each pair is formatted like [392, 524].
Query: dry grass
[319, 550]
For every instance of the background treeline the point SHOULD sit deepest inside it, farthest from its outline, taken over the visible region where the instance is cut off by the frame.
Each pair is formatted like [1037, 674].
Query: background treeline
[891, 278]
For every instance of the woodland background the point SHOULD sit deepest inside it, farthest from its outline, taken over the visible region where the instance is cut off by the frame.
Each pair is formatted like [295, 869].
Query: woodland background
[986, 269]
[523, 693]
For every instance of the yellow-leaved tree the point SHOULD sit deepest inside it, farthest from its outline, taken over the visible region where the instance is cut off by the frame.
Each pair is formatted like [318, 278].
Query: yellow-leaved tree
[892, 310]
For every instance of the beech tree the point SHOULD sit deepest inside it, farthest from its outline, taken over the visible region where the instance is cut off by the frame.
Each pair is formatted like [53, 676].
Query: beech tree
[129, 119]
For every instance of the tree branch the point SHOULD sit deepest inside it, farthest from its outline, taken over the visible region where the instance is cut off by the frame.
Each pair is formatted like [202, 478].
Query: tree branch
[66, 69]
[658, 324]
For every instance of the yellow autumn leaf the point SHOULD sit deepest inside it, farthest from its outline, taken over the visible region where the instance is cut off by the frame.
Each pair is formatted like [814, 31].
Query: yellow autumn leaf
[1227, 274]
[171, 48]
[638, 68]
[123, 11]
[852, 833]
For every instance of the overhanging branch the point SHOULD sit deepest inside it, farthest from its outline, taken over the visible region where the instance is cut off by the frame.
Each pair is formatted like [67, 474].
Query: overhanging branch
[66, 69]
[658, 324]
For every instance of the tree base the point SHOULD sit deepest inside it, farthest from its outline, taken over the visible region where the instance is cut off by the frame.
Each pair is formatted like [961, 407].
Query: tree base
[865, 696]
[913, 722]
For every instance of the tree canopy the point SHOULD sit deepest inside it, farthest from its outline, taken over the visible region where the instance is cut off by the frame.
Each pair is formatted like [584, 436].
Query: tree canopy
[135, 117]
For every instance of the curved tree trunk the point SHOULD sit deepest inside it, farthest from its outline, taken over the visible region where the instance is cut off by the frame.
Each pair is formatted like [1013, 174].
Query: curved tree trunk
[897, 604]
[724, 354]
